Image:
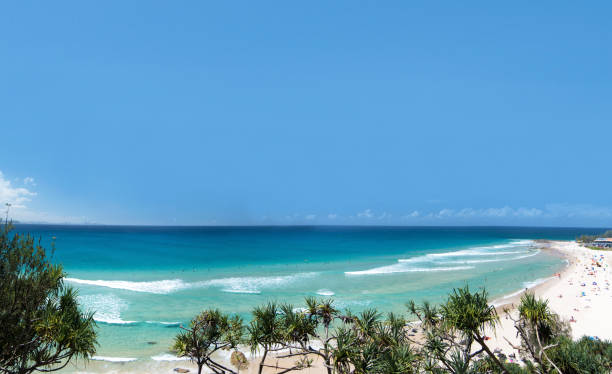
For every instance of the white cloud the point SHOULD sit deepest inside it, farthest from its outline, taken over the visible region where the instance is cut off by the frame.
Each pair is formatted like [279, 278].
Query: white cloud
[528, 212]
[365, 214]
[578, 210]
[489, 212]
[383, 216]
[446, 213]
[16, 196]
[413, 214]
[292, 217]
[550, 211]
[19, 199]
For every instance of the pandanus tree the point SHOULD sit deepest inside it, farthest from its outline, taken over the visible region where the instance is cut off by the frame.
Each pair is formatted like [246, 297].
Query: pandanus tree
[323, 313]
[208, 333]
[470, 314]
[265, 331]
[344, 350]
[42, 325]
[295, 329]
[452, 328]
[358, 344]
[538, 327]
[453, 339]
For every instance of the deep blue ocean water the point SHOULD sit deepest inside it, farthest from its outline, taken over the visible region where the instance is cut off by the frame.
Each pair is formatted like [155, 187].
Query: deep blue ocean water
[142, 282]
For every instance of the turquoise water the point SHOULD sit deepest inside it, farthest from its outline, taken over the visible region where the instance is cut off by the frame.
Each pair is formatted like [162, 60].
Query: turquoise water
[143, 282]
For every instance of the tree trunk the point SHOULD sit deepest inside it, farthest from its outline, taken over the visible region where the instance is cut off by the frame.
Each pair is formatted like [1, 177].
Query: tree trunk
[263, 359]
[491, 354]
[543, 352]
[328, 366]
[220, 368]
[326, 351]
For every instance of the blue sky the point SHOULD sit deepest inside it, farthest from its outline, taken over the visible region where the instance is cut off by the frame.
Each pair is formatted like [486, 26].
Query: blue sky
[344, 112]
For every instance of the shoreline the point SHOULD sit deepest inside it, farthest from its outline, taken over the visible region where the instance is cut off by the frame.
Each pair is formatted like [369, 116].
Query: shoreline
[580, 294]
[541, 284]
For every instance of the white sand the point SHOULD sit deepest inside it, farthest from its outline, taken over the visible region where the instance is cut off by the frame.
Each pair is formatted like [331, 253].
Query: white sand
[573, 296]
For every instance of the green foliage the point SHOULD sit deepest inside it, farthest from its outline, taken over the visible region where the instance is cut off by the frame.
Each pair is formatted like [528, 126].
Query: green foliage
[209, 332]
[539, 326]
[488, 366]
[42, 325]
[265, 330]
[469, 313]
[451, 330]
[296, 328]
[583, 356]
[370, 343]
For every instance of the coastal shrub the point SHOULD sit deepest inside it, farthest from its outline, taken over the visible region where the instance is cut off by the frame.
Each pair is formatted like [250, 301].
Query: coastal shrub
[43, 328]
[265, 331]
[208, 333]
[546, 344]
[452, 329]
[488, 366]
[583, 356]
[539, 330]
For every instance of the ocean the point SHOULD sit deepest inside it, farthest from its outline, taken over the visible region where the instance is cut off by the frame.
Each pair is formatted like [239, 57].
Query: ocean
[143, 282]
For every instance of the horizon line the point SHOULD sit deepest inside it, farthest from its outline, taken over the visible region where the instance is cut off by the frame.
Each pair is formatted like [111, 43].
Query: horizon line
[302, 226]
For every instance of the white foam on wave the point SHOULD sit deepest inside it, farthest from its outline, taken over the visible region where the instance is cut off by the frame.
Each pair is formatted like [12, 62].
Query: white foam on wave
[158, 287]
[436, 261]
[168, 357]
[325, 292]
[256, 292]
[113, 359]
[106, 308]
[398, 268]
[163, 323]
[499, 259]
[511, 244]
[536, 282]
[232, 284]
[254, 284]
[461, 253]
[348, 304]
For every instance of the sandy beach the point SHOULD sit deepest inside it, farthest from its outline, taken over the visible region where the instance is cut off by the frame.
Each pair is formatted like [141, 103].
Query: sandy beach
[580, 293]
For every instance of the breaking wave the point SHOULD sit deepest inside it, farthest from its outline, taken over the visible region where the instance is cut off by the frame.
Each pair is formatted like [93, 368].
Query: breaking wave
[158, 287]
[113, 359]
[433, 262]
[254, 285]
[168, 357]
[106, 308]
[169, 324]
[398, 268]
[250, 285]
